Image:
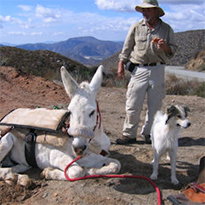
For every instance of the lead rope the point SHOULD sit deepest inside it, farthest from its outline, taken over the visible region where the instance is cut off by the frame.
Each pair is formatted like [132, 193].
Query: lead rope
[98, 116]
[112, 176]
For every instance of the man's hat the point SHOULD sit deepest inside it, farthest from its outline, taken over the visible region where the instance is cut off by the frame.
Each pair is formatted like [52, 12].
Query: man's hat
[150, 4]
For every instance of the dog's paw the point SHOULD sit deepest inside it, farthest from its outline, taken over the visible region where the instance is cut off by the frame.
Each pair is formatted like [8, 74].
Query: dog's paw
[174, 180]
[153, 176]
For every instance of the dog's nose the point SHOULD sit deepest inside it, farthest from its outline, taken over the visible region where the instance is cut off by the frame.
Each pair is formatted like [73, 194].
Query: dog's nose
[188, 124]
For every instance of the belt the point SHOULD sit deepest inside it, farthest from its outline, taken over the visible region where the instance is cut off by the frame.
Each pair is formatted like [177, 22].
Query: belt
[149, 64]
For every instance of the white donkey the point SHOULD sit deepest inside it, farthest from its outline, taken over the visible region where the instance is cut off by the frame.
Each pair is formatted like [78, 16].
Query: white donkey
[88, 139]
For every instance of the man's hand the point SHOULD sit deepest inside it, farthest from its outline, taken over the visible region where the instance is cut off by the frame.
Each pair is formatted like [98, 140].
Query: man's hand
[162, 44]
[120, 71]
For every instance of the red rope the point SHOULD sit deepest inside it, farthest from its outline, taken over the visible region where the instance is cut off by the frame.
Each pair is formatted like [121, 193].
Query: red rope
[112, 176]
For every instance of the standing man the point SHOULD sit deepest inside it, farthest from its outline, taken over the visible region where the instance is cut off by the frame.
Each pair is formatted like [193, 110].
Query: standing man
[148, 46]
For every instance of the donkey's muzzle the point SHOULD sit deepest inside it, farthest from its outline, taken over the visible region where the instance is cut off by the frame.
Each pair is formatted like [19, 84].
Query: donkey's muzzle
[81, 132]
[80, 150]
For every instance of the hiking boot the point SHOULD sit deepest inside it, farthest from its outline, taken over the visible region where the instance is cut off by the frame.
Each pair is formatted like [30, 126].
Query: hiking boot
[125, 140]
[147, 139]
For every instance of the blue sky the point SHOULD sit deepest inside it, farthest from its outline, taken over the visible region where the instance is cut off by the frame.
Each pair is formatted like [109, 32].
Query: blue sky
[33, 21]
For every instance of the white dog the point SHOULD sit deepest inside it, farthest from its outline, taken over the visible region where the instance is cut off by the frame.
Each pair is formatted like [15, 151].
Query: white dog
[164, 135]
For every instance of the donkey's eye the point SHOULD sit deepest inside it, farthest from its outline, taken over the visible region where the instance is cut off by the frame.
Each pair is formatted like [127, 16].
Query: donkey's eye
[92, 113]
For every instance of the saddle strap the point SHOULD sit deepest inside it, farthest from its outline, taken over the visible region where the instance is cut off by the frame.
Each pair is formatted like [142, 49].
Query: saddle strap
[30, 142]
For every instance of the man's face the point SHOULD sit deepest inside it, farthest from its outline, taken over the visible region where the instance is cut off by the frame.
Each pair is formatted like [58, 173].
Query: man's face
[150, 14]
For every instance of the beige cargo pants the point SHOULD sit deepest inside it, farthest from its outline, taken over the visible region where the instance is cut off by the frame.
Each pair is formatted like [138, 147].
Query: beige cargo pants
[144, 80]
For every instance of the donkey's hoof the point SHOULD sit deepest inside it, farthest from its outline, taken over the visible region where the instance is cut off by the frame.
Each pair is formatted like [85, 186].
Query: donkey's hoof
[10, 182]
[9, 177]
[45, 174]
[24, 181]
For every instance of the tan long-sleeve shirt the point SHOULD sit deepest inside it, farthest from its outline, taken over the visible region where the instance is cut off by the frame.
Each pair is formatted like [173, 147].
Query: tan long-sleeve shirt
[138, 46]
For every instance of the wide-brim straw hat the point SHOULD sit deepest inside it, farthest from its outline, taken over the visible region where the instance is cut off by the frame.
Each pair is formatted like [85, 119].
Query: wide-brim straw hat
[150, 4]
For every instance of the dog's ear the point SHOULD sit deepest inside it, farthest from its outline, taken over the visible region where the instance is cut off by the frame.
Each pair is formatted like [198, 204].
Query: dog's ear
[171, 111]
[186, 109]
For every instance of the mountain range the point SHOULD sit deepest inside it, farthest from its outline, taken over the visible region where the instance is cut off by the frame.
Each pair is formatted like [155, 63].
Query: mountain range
[90, 51]
[86, 50]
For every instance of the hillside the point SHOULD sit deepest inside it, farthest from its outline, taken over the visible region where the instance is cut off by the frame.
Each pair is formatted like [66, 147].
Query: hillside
[42, 63]
[189, 44]
[86, 50]
[197, 62]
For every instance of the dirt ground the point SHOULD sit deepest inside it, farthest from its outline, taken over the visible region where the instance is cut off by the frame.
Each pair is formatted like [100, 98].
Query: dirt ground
[17, 90]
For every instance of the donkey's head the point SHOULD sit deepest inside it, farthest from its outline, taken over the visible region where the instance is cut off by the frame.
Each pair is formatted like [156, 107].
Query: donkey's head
[82, 108]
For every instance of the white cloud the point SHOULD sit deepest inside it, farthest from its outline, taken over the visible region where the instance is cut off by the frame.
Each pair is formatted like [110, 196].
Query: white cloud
[44, 23]
[37, 33]
[118, 5]
[5, 19]
[25, 33]
[186, 16]
[48, 15]
[25, 7]
[17, 33]
[58, 33]
[122, 5]
[181, 14]
[100, 25]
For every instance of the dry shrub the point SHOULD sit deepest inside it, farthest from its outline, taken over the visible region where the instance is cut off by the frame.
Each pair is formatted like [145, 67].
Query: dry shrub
[180, 86]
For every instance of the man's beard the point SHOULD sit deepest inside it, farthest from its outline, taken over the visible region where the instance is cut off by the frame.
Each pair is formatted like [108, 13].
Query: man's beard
[147, 19]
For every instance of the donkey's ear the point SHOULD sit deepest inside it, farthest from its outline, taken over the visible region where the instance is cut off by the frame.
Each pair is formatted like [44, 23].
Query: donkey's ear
[96, 81]
[69, 83]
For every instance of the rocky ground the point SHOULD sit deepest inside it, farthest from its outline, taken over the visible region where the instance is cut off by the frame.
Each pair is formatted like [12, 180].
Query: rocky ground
[17, 90]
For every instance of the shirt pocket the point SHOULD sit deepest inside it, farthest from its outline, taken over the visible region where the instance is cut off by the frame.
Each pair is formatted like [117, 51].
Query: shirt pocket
[141, 42]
